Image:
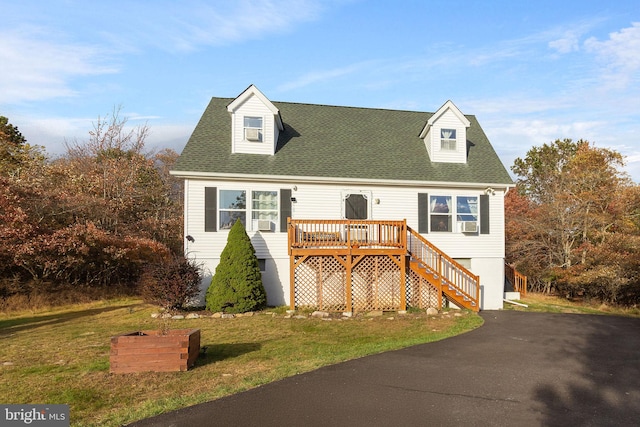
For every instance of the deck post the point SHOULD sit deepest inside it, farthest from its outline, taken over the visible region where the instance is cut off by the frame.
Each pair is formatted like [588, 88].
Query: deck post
[292, 267]
[292, 282]
[347, 284]
[403, 282]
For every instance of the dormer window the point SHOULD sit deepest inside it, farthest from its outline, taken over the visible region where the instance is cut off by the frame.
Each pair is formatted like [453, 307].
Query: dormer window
[255, 123]
[448, 139]
[253, 129]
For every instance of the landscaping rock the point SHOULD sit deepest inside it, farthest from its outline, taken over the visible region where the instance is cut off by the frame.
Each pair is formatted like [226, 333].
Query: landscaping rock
[432, 311]
[192, 316]
[216, 315]
[177, 317]
[155, 315]
[347, 314]
[320, 314]
[227, 316]
[376, 313]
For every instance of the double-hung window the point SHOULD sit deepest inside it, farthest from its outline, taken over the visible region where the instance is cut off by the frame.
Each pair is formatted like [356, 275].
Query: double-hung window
[467, 208]
[253, 129]
[264, 210]
[448, 139]
[233, 206]
[453, 214]
[441, 212]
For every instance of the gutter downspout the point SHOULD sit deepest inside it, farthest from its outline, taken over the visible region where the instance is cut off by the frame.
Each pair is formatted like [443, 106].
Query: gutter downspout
[515, 303]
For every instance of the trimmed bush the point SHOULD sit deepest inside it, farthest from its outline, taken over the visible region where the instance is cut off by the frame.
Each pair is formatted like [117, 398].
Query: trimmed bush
[236, 286]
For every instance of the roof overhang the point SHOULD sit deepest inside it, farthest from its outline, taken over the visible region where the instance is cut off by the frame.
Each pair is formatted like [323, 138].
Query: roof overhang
[338, 180]
[449, 105]
[254, 91]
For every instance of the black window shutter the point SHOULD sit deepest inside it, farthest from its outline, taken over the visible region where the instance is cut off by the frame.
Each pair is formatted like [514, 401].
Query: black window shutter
[210, 209]
[285, 208]
[484, 214]
[423, 213]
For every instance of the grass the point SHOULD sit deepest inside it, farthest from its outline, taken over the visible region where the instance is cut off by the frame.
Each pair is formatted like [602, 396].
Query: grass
[552, 304]
[62, 355]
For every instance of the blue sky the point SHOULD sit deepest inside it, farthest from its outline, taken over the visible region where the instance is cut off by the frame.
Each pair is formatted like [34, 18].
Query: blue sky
[532, 72]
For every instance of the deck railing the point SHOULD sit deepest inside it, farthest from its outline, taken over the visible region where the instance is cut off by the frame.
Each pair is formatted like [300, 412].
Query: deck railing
[327, 233]
[517, 279]
[451, 273]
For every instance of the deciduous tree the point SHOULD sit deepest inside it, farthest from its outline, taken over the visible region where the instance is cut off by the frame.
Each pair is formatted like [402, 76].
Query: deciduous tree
[572, 202]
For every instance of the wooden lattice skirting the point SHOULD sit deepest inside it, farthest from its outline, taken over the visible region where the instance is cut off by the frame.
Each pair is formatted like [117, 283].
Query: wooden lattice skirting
[358, 283]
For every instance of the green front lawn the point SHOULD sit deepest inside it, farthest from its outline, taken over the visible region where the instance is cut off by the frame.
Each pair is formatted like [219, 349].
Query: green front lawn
[62, 355]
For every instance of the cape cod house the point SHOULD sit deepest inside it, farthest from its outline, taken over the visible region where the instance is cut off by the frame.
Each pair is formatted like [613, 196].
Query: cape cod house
[349, 208]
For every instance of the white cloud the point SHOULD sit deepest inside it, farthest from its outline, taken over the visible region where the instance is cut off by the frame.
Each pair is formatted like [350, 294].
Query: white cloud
[36, 68]
[568, 43]
[565, 40]
[187, 27]
[40, 63]
[620, 55]
[322, 76]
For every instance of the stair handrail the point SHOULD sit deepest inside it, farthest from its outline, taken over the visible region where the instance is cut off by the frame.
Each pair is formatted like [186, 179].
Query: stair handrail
[517, 279]
[451, 272]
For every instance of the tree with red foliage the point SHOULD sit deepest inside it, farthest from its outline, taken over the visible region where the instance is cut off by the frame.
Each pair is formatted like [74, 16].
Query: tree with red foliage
[570, 222]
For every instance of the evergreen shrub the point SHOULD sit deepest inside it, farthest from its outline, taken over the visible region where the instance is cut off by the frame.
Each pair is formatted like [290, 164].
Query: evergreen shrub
[236, 286]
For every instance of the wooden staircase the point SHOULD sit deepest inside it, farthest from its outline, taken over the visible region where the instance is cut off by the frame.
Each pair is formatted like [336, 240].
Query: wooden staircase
[344, 247]
[452, 280]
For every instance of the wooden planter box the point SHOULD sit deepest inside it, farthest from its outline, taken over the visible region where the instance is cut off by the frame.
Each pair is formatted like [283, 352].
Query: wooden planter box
[141, 351]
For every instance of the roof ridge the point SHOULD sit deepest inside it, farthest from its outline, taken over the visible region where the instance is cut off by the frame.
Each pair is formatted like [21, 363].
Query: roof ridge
[312, 104]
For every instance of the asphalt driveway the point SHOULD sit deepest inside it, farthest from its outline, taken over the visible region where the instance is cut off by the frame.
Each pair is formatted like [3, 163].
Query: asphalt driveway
[517, 369]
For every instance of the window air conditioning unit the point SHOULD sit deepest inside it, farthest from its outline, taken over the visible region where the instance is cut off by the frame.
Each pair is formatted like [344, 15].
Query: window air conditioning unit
[469, 227]
[252, 134]
[264, 225]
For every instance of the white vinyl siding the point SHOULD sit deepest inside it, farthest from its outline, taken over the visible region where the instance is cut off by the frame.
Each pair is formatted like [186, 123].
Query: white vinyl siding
[398, 203]
[445, 154]
[427, 143]
[253, 108]
[318, 201]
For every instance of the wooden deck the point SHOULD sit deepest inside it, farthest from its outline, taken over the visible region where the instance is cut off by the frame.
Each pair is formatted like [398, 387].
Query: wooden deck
[364, 265]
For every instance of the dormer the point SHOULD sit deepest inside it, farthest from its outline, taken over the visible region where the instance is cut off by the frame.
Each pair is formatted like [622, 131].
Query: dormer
[445, 135]
[255, 123]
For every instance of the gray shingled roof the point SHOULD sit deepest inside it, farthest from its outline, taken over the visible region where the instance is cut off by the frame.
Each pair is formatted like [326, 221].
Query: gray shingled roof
[339, 142]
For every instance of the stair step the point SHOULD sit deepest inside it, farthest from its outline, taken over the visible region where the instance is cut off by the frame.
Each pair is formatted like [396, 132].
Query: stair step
[450, 291]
